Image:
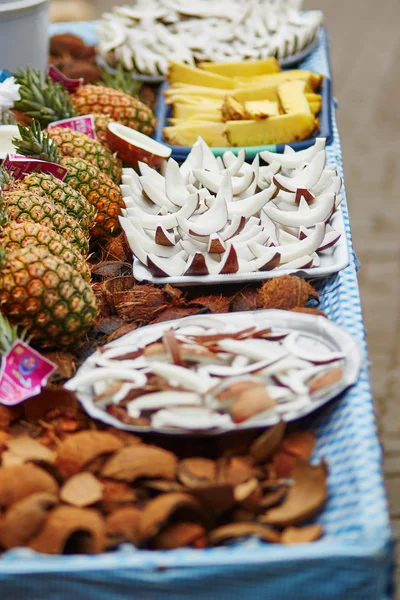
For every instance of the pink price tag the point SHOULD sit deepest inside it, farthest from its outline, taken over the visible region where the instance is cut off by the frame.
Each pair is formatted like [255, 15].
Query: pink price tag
[84, 124]
[20, 166]
[23, 373]
[71, 85]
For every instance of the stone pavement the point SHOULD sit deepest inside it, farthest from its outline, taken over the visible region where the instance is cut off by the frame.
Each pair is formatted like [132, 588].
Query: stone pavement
[365, 53]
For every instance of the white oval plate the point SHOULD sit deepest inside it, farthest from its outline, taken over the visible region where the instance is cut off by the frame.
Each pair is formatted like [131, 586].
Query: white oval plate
[325, 332]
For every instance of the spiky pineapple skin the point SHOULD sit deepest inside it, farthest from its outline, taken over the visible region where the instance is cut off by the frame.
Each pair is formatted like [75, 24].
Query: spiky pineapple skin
[22, 206]
[80, 145]
[101, 123]
[15, 236]
[120, 106]
[39, 291]
[60, 193]
[100, 191]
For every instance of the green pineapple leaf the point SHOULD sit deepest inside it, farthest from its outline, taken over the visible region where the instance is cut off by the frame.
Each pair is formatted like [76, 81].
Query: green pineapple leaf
[42, 98]
[36, 144]
[9, 334]
[121, 80]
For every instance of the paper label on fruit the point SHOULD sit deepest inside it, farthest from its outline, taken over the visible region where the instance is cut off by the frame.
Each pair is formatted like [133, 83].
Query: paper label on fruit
[23, 373]
[84, 124]
[71, 85]
[20, 166]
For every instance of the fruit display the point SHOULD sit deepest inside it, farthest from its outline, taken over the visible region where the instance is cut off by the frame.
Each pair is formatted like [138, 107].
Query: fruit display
[144, 37]
[216, 374]
[244, 104]
[61, 474]
[47, 101]
[223, 216]
[89, 181]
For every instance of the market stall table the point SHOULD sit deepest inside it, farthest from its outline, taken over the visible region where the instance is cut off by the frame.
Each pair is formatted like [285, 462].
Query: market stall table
[352, 561]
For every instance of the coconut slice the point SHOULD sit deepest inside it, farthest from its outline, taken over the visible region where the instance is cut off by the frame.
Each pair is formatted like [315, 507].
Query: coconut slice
[160, 400]
[197, 265]
[164, 267]
[330, 239]
[304, 262]
[325, 179]
[84, 379]
[133, 146]
[157, 194]
[215, 218]
[251, 205]
[307, 218]
[194, 160]
[175, 184]
[234, 166]
[235, 226]
[190, 418]
[306, 178]
[170, 220]
[251, 190]
[213, 182]
[164, 237]
[296, 159]
[216, 245]
[290, 252]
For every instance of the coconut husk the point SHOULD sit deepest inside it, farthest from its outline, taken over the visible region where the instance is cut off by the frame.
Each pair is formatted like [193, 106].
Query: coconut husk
[299, 443]
[196, 471]
[302, 535]
[235, 531]
[116, 494]
[286, 292]
[181, 535]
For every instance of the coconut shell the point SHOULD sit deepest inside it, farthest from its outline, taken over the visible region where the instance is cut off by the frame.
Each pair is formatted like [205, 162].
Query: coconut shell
[123, 526]
[83, 489]
[181, 535]
[70, 530]
[301, 535]
[116, 494]
[81, 448]
[161, 510]
[299, 443]
[132, 462]
[266, 444]
[305, 497]
[19, 481]
[24, 519]
[196, 471]
[240, 530]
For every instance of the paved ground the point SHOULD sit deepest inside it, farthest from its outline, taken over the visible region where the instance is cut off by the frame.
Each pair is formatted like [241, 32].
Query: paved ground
[365, 52]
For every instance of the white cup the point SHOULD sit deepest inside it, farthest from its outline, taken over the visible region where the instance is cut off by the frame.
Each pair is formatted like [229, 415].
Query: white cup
[24, 40]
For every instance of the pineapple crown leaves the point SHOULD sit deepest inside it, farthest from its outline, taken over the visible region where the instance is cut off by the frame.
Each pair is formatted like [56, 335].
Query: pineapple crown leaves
[121, 80]
[9, 334]
[35, 143]
[42, 98]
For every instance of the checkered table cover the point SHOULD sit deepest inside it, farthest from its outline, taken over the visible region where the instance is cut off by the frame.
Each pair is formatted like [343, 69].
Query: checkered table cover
[353, 561]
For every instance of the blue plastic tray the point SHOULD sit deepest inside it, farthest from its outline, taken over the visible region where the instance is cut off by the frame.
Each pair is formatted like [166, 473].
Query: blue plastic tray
[352, 562]
[164, 111]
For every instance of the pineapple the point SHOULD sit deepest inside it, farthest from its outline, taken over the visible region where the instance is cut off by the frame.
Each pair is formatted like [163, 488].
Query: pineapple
[80, 145]
[14, 236]
[41, 98]
[101, 123]
[232, 110]
[247, 68]
[292, 97]
[213, 133]
[24, 206]
[47, 296]
[46, 101]
[282, 129]
[97, 187]
[59, 192]
[119, 106]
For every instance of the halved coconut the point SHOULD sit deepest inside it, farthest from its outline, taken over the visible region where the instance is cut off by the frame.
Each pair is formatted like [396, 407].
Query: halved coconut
[133, 146]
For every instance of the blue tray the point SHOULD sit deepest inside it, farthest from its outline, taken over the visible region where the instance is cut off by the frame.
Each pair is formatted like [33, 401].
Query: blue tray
[352, 562]
[164, 111]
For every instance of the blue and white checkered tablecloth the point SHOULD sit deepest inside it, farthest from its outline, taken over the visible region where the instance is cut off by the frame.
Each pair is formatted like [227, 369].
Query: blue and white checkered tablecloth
[352, 562]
